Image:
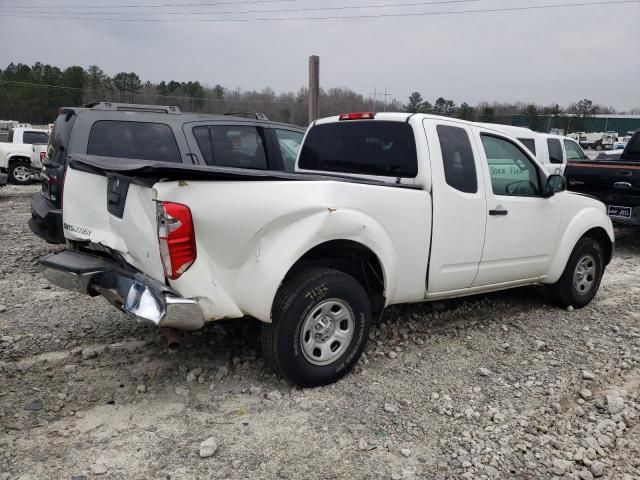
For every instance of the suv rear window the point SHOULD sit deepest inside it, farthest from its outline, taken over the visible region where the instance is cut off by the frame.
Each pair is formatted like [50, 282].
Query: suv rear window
[365, 147]
[139, 140]
[35, 138]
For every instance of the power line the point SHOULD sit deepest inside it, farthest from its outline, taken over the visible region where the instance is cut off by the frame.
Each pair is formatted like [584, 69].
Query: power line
[164, 5]
[338, 17]
[279, 10]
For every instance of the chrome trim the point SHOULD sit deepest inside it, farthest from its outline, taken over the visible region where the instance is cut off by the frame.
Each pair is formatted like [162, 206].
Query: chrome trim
[130, 292]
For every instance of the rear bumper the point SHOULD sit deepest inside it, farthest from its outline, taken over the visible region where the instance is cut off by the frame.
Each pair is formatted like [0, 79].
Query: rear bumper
[130, 291]
[46, 220]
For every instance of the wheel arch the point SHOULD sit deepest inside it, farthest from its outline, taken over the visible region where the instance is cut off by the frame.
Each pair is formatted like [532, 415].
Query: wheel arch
[343, 240]
[354, 259]
[592, 223]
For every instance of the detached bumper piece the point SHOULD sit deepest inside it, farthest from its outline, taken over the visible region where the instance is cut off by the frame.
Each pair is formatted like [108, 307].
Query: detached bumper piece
[127, 289]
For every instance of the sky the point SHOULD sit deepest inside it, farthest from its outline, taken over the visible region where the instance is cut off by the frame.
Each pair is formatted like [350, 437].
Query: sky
[546, 56]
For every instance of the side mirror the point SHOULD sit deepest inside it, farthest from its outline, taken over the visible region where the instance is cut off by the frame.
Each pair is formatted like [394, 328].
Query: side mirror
[555, 184]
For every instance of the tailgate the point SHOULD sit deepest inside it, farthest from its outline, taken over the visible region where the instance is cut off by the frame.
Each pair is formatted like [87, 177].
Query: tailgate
[113, 213]
[612, 182]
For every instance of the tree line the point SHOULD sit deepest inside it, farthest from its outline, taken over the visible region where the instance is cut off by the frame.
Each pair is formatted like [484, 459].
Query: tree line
[34, 93]
[537, 117]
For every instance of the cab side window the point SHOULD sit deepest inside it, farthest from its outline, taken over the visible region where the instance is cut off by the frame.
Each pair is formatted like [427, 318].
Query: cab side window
[574, 152]
[457, 158]
[512, 172]
[555, 150]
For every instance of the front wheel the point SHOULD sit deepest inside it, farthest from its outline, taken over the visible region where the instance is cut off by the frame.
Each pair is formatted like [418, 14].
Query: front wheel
[19, 173]
[581, 278]
[320, 325]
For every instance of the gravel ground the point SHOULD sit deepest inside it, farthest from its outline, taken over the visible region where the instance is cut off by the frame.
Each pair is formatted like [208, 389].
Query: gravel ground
[497, 386]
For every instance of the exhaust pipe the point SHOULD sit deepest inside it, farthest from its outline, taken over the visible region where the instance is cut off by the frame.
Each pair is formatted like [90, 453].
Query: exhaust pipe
[172, 336]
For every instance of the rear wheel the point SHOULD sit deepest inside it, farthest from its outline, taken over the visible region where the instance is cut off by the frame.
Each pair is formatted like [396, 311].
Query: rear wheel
[19, 172]
[321, 320]
[581, 278]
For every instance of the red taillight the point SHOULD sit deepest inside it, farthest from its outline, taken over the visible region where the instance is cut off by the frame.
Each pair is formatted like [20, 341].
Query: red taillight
[357, 116]
[176, 237]
[43, 155]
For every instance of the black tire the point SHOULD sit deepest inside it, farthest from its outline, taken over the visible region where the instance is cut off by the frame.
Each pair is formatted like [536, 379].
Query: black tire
[296, 301]
[12, 172]
[565, 292]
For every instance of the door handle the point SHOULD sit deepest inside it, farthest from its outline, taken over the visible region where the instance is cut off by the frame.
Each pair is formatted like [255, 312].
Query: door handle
[498, 212]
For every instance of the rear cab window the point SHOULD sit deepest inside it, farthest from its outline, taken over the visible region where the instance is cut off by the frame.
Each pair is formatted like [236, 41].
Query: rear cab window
[136, 140]
[35, 138]
[368, 147]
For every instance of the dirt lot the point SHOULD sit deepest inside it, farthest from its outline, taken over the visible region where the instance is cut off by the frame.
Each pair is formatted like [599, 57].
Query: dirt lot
[501, 386]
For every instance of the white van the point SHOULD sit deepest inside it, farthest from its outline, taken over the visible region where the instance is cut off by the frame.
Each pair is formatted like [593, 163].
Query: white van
[551, 151]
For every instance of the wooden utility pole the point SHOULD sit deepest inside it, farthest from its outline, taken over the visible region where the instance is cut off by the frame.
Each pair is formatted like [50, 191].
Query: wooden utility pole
[314, 87]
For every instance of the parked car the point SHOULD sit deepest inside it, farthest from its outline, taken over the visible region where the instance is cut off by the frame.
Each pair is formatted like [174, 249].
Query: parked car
[373, 217]
[160, 133]
[16, 153]
[614, 178]
[551, 151]
[598, 140]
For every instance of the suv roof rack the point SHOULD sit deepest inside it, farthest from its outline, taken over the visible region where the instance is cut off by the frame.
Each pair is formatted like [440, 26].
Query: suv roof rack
[256, 115]
[132, 107]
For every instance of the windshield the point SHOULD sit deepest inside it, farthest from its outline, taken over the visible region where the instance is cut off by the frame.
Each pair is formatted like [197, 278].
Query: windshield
[364, 147]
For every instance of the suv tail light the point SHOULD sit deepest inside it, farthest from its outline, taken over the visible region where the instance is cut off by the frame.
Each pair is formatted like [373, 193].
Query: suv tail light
[357, 116]
[43, 155]
[176, 237]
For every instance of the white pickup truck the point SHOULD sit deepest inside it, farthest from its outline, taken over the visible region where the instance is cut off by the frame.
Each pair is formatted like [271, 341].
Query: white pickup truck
[385, 208]
[22, 154]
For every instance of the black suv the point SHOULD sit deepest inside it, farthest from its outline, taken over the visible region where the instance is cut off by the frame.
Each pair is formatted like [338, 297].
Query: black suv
[158, 133]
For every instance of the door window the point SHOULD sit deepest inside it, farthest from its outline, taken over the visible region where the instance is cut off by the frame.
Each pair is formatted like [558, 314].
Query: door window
[574, 152]
[232, 146]
[289, 143]
[457, 157]
[555, 150]
[512, 171]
